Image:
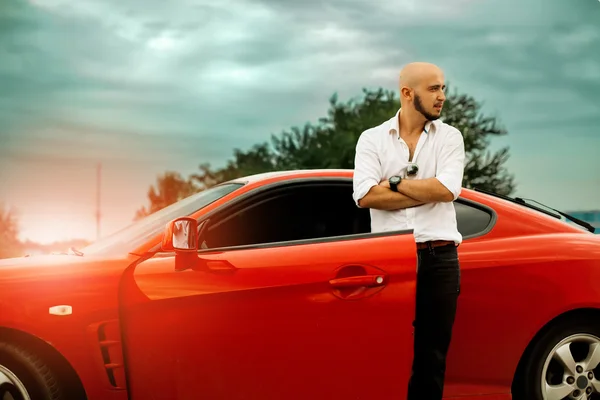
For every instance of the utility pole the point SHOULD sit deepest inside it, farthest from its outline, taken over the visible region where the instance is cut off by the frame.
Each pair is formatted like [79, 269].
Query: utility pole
[98, 215]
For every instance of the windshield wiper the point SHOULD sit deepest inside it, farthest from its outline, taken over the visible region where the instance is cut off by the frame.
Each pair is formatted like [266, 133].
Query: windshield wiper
[76, 252]
[571, 218]
[525, 202]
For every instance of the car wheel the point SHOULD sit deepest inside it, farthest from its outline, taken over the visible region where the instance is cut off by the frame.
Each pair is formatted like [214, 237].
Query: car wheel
[563, 364]
[24, 376]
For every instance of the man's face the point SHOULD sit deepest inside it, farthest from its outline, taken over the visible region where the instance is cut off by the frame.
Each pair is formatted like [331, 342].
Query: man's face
[429, 99]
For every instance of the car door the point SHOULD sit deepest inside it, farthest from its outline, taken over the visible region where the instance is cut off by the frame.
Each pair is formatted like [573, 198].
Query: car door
[319, 320]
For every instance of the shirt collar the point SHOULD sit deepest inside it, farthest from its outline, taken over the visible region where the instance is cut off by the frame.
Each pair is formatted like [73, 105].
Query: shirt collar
[430, 126]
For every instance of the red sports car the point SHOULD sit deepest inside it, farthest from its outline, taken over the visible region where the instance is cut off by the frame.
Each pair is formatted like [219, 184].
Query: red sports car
[273, 287]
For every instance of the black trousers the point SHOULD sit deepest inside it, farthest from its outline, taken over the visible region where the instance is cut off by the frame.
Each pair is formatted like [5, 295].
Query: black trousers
[438, 288]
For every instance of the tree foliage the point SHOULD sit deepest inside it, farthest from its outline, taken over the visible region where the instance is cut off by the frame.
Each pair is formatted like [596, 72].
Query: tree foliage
[331, 142]
[10, 246]
[170, 188]
[483, 168]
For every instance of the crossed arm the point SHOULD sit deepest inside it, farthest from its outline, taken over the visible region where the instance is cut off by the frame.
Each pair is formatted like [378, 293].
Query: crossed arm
[444, 187]
[381, 197]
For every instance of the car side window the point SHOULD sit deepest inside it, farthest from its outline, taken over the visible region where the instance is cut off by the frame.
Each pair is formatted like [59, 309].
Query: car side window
[304, 212]
[301, 212]
[471, 220]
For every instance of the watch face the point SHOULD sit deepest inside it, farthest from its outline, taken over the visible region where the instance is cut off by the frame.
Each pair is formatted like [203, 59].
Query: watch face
[394, 180]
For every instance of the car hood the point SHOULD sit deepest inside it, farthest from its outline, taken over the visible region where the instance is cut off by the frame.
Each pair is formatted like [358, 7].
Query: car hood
[49, 260]
[58, 266]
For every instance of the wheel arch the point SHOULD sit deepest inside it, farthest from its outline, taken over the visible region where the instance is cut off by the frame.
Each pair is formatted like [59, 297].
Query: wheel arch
[63, 369]
[584, 312]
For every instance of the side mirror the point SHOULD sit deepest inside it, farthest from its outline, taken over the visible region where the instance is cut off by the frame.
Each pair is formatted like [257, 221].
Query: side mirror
[181, 235]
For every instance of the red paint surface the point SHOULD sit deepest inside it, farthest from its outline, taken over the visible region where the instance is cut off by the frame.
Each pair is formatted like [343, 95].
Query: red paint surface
[269, 323]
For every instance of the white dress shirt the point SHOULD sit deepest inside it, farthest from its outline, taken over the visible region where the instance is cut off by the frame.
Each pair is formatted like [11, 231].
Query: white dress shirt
[381, 153]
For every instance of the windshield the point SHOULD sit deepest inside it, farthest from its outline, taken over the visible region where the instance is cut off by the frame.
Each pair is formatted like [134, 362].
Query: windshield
[140, 231]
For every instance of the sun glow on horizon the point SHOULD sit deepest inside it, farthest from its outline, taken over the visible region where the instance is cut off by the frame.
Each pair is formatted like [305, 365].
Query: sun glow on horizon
[50, 229]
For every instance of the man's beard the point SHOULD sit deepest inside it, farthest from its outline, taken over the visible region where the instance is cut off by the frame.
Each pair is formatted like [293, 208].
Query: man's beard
[419, 108]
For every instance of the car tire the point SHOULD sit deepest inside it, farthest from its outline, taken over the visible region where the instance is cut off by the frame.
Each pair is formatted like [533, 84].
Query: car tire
[27, 375]
[542, 359]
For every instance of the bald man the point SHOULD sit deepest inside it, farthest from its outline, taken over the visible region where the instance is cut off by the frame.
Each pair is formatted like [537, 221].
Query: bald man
[408, 171]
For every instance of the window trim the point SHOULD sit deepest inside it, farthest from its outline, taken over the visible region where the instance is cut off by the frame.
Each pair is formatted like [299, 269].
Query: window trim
[311, 181]
[493, 214]
[273, 190]
[328, 239]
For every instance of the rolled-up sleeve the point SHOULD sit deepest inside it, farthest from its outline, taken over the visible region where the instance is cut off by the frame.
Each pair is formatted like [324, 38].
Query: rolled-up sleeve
[451, 163]
[367, 166]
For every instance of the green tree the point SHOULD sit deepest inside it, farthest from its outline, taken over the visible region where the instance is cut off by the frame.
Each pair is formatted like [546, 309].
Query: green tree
[10, 246]
[331, 142]
[170, 188]
[483, 169]
[260, 158]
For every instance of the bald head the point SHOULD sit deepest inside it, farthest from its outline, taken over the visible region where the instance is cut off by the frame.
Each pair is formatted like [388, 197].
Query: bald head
[422, 89]
[414, 74]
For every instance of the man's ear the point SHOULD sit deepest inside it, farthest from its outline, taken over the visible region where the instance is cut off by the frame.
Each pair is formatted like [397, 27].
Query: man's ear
[406, 93]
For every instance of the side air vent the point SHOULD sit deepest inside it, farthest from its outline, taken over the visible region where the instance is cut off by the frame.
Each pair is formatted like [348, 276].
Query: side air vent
[109, 339]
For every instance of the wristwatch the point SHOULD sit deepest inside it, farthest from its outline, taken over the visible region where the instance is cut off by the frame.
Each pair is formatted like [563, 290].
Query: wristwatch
[394, 182]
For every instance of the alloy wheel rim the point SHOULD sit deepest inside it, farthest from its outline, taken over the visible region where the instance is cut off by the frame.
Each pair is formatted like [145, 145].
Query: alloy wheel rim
[571, 369]
[11, 387]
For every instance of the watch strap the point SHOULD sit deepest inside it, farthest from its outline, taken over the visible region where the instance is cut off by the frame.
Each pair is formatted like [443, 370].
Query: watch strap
[394, 186]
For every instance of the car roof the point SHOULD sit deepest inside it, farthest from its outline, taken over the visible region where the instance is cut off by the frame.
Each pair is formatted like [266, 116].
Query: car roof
[266, 177]
[496, 203]
[294, 174]
[466, 193]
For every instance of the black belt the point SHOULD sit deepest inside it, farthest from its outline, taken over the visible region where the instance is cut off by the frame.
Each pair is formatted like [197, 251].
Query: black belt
[434, 243]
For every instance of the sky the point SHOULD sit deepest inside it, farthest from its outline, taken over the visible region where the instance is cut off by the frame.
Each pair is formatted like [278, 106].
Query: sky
[145, 86]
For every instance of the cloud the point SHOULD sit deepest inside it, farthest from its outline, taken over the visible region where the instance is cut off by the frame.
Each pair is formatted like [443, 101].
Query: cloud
[153, 85]
[587, 71]
[68, 143]
[153, 69]
[197, 67]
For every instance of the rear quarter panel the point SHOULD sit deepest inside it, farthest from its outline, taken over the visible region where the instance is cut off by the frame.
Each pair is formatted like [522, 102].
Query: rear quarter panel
[511, 288]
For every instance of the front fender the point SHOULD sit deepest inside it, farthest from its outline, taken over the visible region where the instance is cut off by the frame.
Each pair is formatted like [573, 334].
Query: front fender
[88, 338]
